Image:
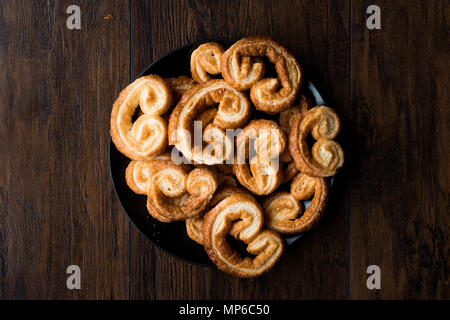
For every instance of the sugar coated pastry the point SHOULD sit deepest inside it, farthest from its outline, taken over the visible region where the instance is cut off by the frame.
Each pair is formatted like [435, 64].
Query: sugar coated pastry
[205, 60]
[326, 156]
[240, 216]
[194, 229]
[175, 194]
[194, 225]
[139, 172]
[147, 136]
[283, 211]
[263, 174]
[271, 95]
[233, 111]
[289, 171]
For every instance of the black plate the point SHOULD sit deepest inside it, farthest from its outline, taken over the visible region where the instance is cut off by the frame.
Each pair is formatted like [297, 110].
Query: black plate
[170, 237]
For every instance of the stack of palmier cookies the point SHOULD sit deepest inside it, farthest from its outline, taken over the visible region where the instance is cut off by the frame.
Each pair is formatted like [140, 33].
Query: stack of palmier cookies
[230, 152]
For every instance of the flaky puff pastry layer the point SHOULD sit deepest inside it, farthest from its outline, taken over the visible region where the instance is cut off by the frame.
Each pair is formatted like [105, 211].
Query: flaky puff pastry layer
[242, 71]
[263, 174]
[176, 194]
[147, 136]
[205, 60]
[326, 156]
[139, 172]
[283, 211]
[180, 85]
[227, 185]
[194, 225]
[233, 112]
[240, 216]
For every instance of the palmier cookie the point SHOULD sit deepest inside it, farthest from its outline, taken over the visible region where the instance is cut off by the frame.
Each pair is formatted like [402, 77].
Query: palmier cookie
[271, 95]
[194, 225]
[206, 60]
[326, 156]
[283, 211]
[147, 136]
[240, 216]
[261, 174]
[139, 172]
[175, 194]
[233, 112]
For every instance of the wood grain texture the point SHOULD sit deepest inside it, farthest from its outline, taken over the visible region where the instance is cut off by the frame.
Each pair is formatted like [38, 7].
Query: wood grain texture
[317, 32]
[390, 203]
[57, 206]
[400, 169]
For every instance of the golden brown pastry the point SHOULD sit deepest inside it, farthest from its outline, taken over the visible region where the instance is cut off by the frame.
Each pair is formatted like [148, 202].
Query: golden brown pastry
[207, 117]
[288, 116]
[233, 112]
[240, 216]
[194, 229]
[283, 211]
[147, 136]
[175, 194]
[262, 175]
[242, 71]
[326, 156]
[180, 85]
[194, 225]
[289, 171]
[206, 60]
[139, 172]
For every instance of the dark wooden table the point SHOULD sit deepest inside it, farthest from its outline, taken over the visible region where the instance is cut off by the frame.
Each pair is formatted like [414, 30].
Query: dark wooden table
[390, 205]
